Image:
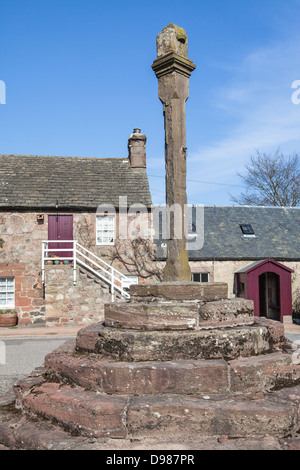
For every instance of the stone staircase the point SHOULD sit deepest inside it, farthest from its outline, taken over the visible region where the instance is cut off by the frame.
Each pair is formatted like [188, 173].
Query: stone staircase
[177, 367]
[91, 279]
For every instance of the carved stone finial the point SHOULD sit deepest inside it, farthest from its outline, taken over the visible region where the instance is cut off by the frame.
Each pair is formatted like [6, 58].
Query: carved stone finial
[172, 39]
[172, 52]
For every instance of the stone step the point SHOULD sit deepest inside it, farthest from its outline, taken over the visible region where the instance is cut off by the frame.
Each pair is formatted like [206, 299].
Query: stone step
[152, 316]
[223, 313]
[179, 315]
[179, 291]
[267, 372]
[86, 412]
[21, 433]
[135, 378]
[150, 416]
[98, 415]
[90, 279]
[264, 336]
[132, 345]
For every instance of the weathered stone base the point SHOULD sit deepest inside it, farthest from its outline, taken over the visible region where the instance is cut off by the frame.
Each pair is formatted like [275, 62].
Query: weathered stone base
[247, 375]
[19, 432]
[143, 345]
[196, 373]
[152, 416]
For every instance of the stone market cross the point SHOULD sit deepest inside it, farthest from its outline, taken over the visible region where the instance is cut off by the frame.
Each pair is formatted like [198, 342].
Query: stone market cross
[173, 69]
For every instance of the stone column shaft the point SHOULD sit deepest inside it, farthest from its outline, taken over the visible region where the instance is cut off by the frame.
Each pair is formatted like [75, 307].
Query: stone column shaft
[173, 69]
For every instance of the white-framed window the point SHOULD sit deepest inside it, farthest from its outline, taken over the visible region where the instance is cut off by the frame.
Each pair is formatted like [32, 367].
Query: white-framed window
[105, 230]
[200, 277]
[7, 292]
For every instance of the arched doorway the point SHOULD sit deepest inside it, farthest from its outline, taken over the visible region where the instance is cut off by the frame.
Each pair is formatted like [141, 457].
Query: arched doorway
[269, 295]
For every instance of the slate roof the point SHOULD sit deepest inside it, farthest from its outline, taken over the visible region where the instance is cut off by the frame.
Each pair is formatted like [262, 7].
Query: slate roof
[277, 234]
[75, 182]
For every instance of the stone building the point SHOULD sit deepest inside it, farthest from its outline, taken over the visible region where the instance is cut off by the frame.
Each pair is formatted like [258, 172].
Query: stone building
[238, 239]
[65, 199]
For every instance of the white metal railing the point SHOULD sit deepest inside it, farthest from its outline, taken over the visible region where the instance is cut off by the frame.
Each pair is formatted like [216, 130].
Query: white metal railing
[84, 257]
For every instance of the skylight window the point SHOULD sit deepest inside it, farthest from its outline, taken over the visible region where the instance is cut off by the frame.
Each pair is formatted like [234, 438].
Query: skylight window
[247, 229]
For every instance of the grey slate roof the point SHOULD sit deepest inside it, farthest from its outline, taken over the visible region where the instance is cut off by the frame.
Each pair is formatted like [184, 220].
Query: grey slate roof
[76, 182]
[277, 234]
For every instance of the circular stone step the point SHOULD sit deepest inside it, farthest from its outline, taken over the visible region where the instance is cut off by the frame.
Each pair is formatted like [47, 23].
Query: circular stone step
[218, 343]
[178, 291]
[179, 315]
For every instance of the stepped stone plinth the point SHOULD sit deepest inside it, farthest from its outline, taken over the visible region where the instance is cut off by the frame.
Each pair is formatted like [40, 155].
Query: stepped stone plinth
[175, 324]
[175, 315]
[194, 368]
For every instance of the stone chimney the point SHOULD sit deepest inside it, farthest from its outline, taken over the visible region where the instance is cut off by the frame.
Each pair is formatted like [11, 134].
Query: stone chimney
[137, 149]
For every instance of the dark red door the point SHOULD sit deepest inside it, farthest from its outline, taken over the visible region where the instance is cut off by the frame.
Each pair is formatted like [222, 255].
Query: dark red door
[60, 227]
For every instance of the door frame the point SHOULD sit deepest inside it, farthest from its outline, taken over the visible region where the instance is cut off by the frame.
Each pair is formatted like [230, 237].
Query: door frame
[285, 285]
[266, 280]
[55, 219]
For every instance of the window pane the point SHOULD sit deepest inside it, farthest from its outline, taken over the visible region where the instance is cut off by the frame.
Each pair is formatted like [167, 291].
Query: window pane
[7, 292]
[105, 231]
[247, 229]
[200, 277]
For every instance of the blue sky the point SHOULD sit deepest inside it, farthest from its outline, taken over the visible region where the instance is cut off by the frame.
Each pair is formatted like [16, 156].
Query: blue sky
[78, 80]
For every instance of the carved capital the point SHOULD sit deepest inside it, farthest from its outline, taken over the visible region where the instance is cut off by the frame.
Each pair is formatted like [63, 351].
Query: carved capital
[173, 62]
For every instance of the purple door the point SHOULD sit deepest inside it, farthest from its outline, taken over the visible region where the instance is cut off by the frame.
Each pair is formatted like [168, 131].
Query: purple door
[60, 227]
[276, 290]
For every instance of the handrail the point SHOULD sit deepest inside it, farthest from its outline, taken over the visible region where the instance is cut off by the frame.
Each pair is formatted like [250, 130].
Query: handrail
[102, 261]
[104, 278]
[112, 276]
